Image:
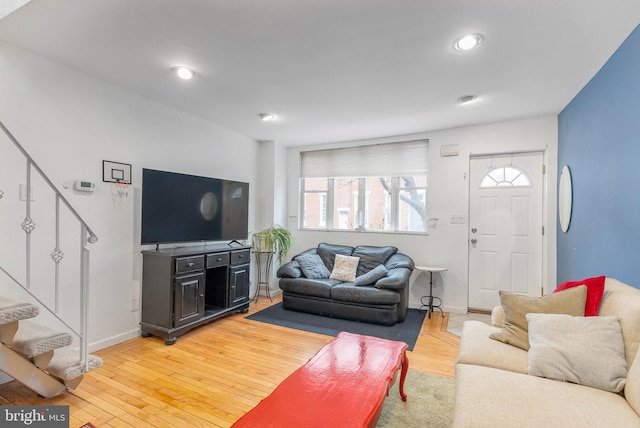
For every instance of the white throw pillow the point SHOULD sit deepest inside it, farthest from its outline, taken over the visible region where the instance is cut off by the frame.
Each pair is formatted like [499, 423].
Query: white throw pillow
[584, 350]
[344, 268]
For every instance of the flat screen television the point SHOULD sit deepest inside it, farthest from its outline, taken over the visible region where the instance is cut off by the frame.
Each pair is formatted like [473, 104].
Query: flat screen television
[189, 208]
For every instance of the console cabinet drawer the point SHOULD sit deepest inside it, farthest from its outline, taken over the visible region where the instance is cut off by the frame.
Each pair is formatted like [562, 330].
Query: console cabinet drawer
[218, 259]
[239, 257]
[189, 264]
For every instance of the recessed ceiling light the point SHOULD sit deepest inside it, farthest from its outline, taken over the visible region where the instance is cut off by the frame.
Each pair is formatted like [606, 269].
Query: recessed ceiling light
[466, 99]
[184, 72]
[266, 117]
[468, 41]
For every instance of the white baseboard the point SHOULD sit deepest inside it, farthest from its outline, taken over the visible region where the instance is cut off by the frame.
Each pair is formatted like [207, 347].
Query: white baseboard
[114, 340]
[450, 309]
[5, 378]
[455, 310]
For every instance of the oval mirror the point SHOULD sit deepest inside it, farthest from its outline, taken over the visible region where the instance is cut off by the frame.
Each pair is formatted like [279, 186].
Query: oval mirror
[565, 199]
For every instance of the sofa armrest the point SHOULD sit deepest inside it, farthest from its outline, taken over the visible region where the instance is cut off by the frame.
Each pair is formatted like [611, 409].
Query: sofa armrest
[396, 279]
[290, 270]
[399, 260]
[497, 316]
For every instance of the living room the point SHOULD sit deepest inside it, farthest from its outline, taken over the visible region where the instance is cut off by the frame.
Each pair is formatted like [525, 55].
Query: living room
[70, 121]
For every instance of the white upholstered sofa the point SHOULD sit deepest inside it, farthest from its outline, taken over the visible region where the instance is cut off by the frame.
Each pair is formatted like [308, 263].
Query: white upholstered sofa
[494, 389]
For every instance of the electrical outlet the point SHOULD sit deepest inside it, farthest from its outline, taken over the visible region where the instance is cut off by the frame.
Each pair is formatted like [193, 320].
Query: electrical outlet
[135, 303]
[456, 219]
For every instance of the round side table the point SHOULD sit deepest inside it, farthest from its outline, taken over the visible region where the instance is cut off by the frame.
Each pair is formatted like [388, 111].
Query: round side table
[429, 299]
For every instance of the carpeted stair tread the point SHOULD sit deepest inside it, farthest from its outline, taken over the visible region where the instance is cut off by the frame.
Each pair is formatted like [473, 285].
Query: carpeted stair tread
[12, 310]
[66, 364]
[33, 339]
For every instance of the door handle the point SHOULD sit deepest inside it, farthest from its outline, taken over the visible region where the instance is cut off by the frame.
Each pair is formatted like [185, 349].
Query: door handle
[474, 241]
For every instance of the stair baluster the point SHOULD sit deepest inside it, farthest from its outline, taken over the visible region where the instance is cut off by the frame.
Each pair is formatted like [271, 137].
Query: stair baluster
[31, 354]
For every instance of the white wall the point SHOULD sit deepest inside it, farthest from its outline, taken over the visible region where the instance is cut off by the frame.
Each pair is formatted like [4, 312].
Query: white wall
[69, 122]
[271, 198]
[447, 244]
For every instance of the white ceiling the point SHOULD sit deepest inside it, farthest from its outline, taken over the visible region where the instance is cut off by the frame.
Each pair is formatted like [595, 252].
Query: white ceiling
[334, 70]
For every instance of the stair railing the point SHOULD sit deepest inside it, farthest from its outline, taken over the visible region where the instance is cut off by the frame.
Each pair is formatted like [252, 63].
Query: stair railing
[57, 255]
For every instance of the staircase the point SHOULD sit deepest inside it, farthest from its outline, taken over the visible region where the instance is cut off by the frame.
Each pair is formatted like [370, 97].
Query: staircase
[34, 354]
[47, 361]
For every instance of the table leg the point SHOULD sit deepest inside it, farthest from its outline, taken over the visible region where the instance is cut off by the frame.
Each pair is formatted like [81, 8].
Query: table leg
[430, 293]
[430, 299]
[403, 374]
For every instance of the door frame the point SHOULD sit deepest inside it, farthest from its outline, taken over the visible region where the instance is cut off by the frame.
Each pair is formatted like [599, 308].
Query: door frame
[550, 229]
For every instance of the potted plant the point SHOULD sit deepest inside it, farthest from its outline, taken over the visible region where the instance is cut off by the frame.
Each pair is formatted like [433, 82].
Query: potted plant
[274, 239]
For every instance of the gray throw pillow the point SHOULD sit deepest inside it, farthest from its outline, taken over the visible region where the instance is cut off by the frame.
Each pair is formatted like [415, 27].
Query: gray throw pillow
[372, 276]
[312, 266]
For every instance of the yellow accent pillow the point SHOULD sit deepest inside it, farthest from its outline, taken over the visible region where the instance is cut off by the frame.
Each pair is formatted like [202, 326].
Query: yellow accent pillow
[516, 307]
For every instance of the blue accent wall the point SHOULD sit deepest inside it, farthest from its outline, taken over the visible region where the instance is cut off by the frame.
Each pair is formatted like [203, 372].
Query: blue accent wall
[599, 139]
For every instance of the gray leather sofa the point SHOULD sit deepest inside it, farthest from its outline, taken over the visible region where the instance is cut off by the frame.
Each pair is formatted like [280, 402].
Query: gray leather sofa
[384, 301]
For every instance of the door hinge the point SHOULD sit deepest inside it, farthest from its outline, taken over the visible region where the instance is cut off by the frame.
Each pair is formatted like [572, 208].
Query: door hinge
[544, 169]
[542, 230]
[541, 290]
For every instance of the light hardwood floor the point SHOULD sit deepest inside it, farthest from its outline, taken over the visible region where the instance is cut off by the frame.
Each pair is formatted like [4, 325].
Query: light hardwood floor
[211, 376]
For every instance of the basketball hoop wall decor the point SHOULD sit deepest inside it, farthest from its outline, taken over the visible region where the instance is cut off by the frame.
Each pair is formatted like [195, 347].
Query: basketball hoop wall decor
[116, 172]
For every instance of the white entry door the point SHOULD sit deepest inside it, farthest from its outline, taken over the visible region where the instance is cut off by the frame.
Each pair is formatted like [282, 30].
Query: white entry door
[505, 227]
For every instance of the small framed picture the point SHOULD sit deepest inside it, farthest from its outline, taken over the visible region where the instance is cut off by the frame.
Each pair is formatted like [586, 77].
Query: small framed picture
[116, 172]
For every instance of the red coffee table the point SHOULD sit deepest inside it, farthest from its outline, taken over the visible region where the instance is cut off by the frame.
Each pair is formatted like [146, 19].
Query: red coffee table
[343, 385]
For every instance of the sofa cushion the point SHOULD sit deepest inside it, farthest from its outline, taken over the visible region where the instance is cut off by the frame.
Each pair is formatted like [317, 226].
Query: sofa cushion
[290, 270]
[312, 266]
[328, 253]
[348, 292]
[370, 257]
[595, 288]
[372, 276]
[488, 398]
[623, 301]
[516, 307]
[584, 350]
[632, 388]
[308, 287]
[476, 347]
[345, 268]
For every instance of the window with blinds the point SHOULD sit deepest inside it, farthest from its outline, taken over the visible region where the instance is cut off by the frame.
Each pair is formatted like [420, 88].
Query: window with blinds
[377, 188]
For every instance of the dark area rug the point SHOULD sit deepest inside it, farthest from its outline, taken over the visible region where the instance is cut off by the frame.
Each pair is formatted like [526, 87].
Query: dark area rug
[406, 331]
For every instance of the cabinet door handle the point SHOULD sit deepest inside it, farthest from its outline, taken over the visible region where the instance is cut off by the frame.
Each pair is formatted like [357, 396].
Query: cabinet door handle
[219, 259]
[190, 264]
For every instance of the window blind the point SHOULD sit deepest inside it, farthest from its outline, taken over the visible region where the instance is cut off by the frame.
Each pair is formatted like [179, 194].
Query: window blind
[377, 160]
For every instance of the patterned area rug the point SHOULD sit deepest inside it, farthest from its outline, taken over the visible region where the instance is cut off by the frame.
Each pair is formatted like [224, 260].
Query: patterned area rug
[406, 331]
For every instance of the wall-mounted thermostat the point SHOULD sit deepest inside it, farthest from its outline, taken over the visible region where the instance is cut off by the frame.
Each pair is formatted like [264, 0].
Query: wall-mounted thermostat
[84, 186]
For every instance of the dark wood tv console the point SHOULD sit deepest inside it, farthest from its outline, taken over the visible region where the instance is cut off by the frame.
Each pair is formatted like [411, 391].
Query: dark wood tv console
[183, 288]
